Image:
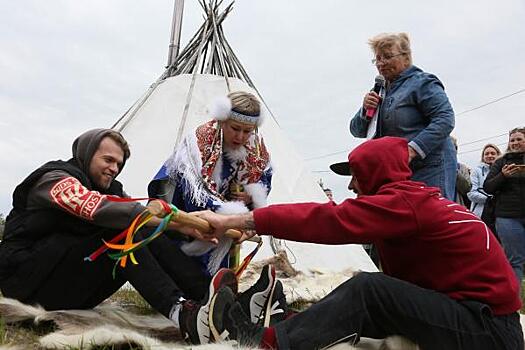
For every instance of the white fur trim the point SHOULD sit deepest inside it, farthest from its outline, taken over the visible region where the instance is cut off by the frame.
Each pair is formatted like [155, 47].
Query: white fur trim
[217, 173]
[259, 193]
[237, 154]
[221, 108]
[233, 207]
[196, 247]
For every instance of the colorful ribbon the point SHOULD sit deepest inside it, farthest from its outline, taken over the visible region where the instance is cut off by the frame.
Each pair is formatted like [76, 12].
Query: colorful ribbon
[240, 269]
[129, 247]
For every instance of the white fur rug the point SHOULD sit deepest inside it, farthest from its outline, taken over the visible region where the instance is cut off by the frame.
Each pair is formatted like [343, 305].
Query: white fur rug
[109, 324]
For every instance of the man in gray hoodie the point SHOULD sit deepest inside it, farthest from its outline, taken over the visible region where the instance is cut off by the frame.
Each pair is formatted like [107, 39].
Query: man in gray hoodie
[61, 214]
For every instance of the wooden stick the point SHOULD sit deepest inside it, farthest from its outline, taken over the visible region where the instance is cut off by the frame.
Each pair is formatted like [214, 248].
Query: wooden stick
[183, 218]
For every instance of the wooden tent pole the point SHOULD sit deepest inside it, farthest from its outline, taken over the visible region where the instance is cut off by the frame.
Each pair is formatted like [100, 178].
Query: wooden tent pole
[176, 26]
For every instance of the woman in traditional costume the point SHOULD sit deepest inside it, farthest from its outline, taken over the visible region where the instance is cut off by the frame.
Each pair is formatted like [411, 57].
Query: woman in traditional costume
[222, 166]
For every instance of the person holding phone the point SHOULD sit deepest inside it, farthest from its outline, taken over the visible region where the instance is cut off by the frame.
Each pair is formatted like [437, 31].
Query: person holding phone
[506, 178]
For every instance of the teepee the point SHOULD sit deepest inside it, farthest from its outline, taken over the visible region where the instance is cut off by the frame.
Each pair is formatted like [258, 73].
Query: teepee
[178, 101]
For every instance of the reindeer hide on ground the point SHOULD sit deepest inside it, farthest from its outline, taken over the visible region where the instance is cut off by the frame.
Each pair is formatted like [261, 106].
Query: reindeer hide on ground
[111, 324]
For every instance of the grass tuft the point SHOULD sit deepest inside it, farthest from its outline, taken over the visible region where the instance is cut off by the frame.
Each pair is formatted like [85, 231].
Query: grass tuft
[130, 299]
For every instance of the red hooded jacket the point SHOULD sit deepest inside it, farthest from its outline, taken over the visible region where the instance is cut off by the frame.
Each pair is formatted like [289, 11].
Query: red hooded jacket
[421, 237]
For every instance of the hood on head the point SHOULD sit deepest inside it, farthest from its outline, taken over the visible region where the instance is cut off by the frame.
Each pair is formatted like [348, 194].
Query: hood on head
[85, 146]
[377, 162]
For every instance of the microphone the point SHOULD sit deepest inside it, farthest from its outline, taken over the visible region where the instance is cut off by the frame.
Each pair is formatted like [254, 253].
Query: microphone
[378, 85]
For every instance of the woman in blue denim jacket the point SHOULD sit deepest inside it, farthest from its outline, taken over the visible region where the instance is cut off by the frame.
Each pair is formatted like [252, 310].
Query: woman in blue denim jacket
[415, 107]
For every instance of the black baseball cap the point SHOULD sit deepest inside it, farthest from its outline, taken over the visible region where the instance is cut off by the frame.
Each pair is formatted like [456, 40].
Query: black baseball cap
[341, 168]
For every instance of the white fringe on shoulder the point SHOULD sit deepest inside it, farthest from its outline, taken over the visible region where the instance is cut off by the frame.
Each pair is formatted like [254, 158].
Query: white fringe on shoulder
[186, 160]
[225, 243]
[197, 247]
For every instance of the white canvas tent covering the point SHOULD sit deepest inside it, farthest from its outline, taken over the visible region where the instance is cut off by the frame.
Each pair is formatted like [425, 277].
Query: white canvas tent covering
[179, 101]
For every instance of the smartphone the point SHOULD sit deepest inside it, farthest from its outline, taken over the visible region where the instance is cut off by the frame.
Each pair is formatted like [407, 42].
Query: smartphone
[521, 169]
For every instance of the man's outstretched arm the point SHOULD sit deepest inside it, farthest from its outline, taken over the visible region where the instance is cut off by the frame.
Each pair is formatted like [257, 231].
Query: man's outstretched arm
[352, 221]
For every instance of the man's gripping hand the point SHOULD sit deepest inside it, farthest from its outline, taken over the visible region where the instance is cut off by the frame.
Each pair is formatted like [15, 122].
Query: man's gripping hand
[221, 223]
[160, 209]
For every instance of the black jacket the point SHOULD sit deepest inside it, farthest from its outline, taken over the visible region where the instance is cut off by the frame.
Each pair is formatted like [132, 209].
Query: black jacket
[509, 191]
[36, 240]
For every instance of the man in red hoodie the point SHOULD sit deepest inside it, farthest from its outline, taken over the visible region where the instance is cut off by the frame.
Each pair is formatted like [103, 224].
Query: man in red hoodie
[446, 283]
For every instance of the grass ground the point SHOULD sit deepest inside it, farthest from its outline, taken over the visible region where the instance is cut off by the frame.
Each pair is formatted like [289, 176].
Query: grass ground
[129, 299]
[23, 335]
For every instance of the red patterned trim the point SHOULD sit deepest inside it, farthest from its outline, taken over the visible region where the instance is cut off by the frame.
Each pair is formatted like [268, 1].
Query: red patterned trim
[72, 196]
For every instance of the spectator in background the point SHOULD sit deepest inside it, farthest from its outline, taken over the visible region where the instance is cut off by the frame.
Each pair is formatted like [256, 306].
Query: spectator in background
[2, 223]
[328, 192]
[415, 107]
[506, 180]
[463, 184]
[477, 194]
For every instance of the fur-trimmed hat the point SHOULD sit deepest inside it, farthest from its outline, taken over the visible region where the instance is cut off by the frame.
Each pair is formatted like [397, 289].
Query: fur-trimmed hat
[223, 108]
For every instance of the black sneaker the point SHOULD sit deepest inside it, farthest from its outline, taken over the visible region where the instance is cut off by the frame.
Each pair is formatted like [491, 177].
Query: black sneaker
[278, 307]
[194, 317]
[265, 300]
[223, 277]
[219, 306]
[194, 325]
[228, 321]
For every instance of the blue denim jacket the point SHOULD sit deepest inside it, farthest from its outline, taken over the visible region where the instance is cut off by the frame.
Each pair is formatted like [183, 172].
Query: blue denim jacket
[416, 107]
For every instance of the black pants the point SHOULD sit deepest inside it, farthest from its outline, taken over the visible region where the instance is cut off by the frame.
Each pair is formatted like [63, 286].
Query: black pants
[163, 274]
[374, 305]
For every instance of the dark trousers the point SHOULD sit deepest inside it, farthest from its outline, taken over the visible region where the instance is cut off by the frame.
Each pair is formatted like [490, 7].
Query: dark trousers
[374, 305]
[163, 274]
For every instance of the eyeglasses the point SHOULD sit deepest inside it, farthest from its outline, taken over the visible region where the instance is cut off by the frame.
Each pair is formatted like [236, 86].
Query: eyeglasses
[385, 59]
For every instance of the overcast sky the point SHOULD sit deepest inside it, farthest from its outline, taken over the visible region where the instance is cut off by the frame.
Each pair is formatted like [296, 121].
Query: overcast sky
[67, 66]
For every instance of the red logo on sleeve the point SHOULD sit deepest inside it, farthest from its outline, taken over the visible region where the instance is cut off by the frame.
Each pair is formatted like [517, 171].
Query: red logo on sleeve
[72, 196]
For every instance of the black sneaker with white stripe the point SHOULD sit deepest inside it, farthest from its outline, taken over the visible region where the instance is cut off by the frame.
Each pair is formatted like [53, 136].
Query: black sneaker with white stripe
[219, 307]
[264, 302]
[194, 317]
[229, 322]
[278, 306]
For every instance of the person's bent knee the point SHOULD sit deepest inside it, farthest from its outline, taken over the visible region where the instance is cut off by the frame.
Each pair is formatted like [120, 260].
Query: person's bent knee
[367, 281]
